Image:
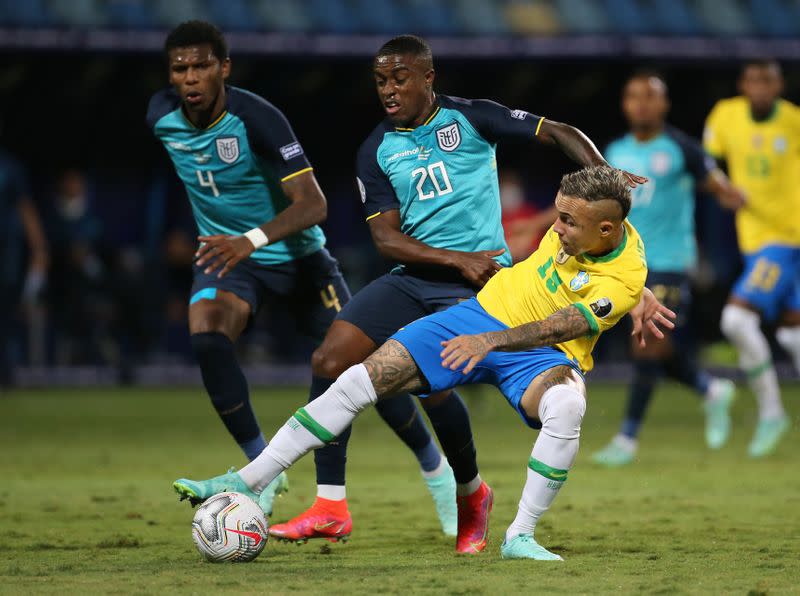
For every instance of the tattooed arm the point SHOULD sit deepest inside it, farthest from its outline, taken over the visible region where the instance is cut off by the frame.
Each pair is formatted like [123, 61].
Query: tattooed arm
[563, 325]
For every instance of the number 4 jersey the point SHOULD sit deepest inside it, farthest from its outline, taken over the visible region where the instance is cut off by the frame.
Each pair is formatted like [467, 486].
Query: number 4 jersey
[442, 175]
[233, 169]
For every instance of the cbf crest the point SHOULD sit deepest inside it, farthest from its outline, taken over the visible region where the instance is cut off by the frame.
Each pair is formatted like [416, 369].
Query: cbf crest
[449, 137]
[228, 149]
[580, 280]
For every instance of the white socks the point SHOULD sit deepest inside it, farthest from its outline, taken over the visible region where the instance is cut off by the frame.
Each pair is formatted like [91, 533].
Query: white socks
[313, 426]
[742, 327]
[332, 492]
[561, 411]
[789, 338]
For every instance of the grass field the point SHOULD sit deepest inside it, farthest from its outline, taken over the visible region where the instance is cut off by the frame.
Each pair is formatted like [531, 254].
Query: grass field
[86, 504]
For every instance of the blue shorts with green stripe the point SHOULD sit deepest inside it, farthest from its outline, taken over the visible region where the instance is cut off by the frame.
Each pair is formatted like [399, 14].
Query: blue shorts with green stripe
[510, 372]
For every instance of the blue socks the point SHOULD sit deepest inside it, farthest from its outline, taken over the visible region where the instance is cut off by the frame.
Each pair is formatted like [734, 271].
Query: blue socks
[227, 388]
[450, 421]
[646, 375]
[403, 417]
[330, 460]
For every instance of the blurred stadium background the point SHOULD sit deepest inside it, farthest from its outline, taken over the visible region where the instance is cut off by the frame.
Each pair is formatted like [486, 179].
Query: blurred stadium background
[74, 86]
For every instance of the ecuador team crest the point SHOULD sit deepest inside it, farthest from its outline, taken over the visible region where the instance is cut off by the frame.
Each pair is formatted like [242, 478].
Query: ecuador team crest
[228, 149]
[449, 137]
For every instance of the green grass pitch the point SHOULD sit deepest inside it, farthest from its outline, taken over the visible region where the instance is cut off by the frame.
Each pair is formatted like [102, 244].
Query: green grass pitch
[86, 503]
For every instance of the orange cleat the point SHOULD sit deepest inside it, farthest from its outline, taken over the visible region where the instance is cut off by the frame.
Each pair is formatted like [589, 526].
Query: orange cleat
[324, 519]
[473, 520]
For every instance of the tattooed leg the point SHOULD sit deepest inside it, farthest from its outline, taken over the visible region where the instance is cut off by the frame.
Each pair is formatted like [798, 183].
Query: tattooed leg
[558, 375]
[392, 370]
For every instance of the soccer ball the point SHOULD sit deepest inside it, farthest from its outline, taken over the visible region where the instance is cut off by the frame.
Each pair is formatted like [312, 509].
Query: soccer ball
[229, 527]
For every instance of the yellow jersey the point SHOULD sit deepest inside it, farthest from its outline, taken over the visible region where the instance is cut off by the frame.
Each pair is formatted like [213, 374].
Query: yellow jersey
[764, 161]
[602, 288]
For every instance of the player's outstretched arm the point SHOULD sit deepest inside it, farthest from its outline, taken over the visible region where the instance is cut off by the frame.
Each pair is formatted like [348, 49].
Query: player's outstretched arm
[308, 208]
[476, 267]
[563, 325]
[577, 146]
[728, 195]
[648, 315]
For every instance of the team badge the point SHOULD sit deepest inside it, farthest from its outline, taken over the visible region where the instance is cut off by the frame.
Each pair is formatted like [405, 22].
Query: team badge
[228, 149]
[449, 137]
[602, 308]
[580, 280]
[779, 144]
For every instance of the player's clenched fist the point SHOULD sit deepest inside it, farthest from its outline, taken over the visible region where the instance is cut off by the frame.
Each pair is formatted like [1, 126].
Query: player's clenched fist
[479, 267]
[222, 251]
[464, 348]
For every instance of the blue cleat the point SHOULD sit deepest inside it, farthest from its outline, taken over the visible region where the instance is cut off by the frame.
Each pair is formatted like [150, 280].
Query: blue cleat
[768, 434]
[198, 491]
[443, 491]
[718, 403]
[274, 489]
[524, 546]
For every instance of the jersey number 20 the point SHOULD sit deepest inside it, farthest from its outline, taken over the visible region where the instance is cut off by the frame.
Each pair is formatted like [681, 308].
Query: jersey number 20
[441, 182]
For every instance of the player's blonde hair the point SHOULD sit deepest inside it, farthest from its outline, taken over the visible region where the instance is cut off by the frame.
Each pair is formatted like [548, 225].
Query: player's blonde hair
[598, 183]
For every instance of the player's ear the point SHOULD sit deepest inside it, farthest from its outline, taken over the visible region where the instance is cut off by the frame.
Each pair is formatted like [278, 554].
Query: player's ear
[606, 227]
[429, 76]
[226, 68]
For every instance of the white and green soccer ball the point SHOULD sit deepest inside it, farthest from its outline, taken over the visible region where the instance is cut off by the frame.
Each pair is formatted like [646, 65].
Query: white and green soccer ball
[229, 527]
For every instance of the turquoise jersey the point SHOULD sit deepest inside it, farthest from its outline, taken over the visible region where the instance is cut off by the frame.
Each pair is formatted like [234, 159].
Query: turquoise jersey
[442, 176]
[663, 208]
[233, 169]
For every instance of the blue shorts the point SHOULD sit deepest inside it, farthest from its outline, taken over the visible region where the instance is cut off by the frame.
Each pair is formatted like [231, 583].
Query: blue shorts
[673, 291]
[399, 298]
[311, 288]
[510, 372]
[771, 280]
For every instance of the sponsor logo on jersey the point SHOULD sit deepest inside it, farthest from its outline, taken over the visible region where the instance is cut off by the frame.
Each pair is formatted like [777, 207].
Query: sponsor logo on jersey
[449, 137]
[202, 158]
[562, 257]
[602, 308]
[421, 153]
[179, 146]
[424, 154]
[228, 149]
[758, 141]
[580, 280]
[291, 150]
[519, 114]
[779, 144]
[362, 190]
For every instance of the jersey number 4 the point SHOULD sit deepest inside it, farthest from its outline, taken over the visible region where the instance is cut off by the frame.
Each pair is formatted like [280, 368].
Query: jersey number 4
[207, 181]
[439, 181]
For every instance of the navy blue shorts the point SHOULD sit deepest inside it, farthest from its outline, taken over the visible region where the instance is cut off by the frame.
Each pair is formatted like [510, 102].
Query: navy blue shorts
[396, 299]
[510, 372]
[311, 287]
[771, 280]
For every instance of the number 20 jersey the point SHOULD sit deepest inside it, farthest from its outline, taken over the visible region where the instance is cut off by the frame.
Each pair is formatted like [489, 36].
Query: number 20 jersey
[442, 175]
[233, 169]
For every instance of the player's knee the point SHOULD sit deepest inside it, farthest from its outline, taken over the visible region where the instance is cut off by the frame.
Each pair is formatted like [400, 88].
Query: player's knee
[738, 322]
[561, 411]
[209, 345]
[330, 363]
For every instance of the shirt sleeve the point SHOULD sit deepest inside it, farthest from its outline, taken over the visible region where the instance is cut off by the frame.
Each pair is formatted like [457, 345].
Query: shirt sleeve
[495, 122]
[714, 139]
[376, 191]
[272, 138]
[162, 103]
[611, 300]
[698, 162]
